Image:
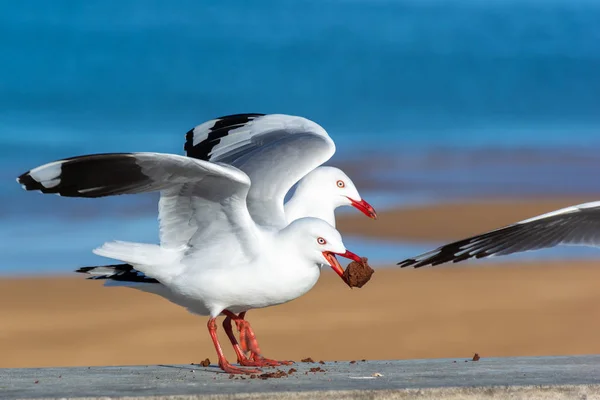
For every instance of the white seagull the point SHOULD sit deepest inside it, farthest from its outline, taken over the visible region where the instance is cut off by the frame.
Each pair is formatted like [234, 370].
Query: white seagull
[575, 225]
[233, 139]
[213, 256]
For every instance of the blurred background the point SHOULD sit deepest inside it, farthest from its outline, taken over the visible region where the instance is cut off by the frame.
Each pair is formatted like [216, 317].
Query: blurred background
[452, 117]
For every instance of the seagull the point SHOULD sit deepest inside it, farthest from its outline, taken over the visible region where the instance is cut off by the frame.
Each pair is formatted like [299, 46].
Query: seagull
[233, 139]
[575, 225]
[214, 258]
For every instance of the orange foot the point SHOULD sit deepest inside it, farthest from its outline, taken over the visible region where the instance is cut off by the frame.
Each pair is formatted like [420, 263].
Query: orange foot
[267, 361]
[230, 369]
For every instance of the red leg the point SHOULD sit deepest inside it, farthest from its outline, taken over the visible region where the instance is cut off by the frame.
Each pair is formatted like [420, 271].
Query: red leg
[241, 357]
[223, 363]
[250, 344]
[247, 336]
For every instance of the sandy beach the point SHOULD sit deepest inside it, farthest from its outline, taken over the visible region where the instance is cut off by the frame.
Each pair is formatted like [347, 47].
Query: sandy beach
[502, 310]
[452, 221]
[498, 310]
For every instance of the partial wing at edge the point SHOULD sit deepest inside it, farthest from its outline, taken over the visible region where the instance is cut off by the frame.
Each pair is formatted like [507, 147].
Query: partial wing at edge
[576, 225]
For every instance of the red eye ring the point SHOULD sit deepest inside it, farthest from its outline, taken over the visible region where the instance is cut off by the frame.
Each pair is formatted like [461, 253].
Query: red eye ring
[321, 241]
[340, 184]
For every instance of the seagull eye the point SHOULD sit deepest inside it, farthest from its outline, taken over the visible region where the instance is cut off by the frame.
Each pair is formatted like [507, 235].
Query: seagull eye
[321, 241]
[341, 184]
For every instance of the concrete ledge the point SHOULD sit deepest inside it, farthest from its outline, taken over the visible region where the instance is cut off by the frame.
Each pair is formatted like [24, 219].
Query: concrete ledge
[499, 378]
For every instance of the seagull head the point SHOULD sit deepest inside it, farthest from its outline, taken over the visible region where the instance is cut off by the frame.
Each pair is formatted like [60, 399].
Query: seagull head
[333, 187]
[322, 242]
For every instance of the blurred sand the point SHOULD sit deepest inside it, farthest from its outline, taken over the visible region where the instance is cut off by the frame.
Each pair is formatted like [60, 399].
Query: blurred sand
[496, 310]
[427, 313]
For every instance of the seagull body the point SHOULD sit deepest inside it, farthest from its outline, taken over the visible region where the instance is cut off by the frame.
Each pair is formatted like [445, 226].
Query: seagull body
[225, 243]
[280, 267]
[576, 225]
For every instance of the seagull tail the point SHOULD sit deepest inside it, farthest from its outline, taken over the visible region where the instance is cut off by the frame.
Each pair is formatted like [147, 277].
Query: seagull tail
[150, 259]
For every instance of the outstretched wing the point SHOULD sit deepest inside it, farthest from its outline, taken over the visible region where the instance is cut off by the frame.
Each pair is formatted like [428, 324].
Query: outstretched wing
[274, 150]
[199, 201]
[576, 225]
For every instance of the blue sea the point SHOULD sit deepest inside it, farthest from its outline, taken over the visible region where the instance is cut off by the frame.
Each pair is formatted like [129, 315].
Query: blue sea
[427, 100]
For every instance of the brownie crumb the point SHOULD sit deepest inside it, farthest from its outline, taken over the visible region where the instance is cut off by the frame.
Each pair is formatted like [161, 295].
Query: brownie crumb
[308, 360]
[316, 369]
[276, 374]
[357, 274]
[476, 357]
[205, 363]
[321, 362]
[353, 362]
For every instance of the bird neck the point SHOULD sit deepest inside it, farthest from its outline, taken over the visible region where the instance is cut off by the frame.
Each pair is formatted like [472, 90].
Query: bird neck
[308, 203]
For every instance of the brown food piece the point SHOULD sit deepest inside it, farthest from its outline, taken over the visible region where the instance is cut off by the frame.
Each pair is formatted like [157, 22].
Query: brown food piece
[276, 374]
[308, 359]
[476, 357]
[353, 362]
[205, 363]
[321, 362]
[291, 371]
[316, 369]
[358, 274]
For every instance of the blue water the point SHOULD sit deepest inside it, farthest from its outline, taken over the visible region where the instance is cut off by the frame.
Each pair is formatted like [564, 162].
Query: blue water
[403, 78]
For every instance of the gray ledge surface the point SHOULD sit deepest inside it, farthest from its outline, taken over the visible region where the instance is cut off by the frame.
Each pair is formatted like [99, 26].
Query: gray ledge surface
[522, 377]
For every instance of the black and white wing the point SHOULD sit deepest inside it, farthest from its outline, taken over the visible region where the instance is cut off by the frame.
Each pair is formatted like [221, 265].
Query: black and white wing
[576, 225]
[210, 140]
[274, 150]
[198, 199]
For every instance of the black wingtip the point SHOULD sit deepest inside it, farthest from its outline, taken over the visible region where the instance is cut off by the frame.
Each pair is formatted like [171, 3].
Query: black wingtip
[221, 128]
[406, 263]
[120, 272]
[189, 141]
[28, 183]
[84, 270]
[93, 175]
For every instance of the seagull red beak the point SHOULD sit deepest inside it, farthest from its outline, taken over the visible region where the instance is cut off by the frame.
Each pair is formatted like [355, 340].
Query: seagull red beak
[335, 265]
[364, 207]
